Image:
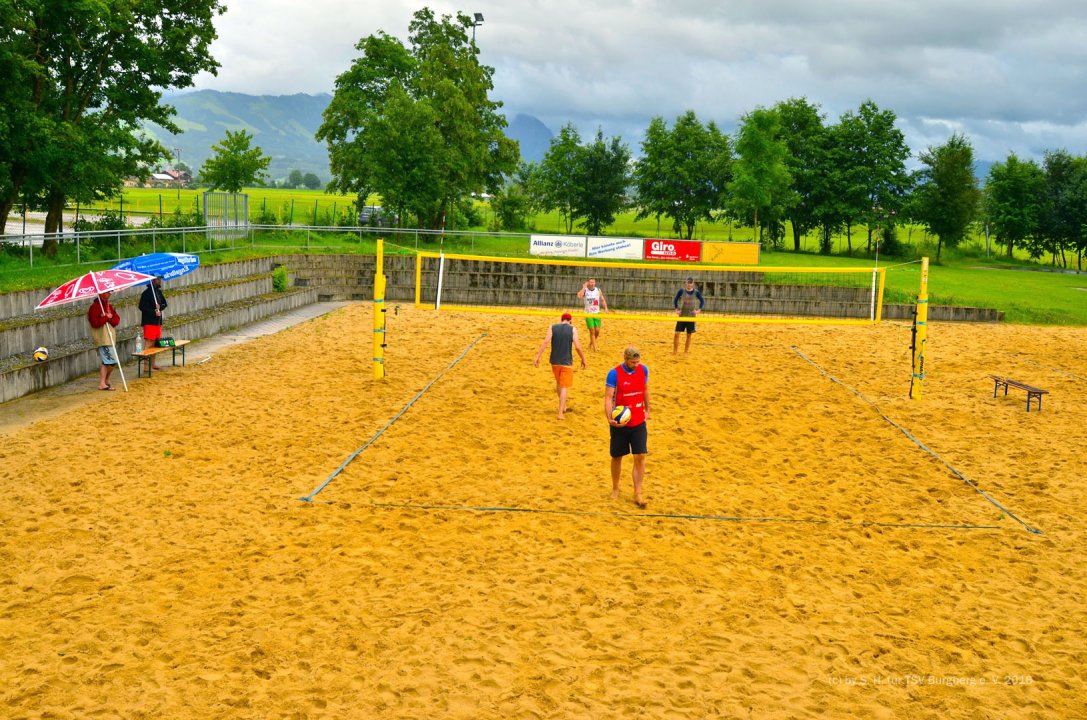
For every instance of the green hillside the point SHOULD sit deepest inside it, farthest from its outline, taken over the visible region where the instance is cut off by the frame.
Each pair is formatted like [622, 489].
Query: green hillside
[283, 127]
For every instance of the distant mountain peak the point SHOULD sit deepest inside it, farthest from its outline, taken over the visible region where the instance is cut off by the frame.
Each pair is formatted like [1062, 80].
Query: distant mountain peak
[283, 126]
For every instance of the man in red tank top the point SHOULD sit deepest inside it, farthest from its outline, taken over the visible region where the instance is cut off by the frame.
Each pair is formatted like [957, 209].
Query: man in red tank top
[628, 384]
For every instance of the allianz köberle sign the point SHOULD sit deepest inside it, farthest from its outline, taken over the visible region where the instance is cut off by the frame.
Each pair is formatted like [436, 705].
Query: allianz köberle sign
[557, 245]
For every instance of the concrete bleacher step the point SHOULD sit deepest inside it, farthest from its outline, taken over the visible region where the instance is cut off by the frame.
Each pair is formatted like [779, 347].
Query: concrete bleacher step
[20, 374]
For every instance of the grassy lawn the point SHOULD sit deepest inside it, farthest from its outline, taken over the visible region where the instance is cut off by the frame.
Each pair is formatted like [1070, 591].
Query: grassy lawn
[1025, 292]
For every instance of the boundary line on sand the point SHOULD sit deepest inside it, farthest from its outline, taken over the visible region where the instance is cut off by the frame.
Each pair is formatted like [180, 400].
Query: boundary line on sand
[352, 456]
[921, 445]
[679, 516]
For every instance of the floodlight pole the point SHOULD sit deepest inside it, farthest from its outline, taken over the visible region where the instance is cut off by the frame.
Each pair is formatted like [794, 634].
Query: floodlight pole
[476, 22]
[177, 161]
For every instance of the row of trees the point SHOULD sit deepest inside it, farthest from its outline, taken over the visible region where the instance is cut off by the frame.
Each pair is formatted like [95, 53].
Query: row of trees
[414, 123]
[784, 164]
[786, 167]
[296, 179]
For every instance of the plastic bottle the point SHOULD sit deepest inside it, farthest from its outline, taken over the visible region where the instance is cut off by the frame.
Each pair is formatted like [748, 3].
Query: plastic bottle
[139, 342]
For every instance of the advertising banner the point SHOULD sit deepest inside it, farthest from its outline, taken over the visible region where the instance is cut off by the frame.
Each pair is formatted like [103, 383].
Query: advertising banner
[557, 245]
[682, 250]
[613, 247]
[731, 253]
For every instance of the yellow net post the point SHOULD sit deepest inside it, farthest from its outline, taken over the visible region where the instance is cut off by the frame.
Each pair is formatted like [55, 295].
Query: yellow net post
[379, 312]
[920, 329]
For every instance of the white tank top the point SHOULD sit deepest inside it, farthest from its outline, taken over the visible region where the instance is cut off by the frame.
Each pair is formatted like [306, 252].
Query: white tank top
[592, 300]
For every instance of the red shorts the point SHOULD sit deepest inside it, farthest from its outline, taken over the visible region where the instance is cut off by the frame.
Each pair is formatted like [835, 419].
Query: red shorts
[152, 332]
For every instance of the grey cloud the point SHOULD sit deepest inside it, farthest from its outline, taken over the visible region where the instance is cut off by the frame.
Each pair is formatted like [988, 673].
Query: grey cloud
[1009, 74]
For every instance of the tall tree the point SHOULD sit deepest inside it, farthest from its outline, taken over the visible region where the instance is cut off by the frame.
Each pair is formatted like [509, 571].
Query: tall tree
[1074, 199]
[805, 135]
[416, 124]
[683, 172]
[235, 164]
[760, 177]
[872, 154]
[947, 194]
[559, 175]
[79, 80]
[1062, 218]
[1013, 201]
[603, 176]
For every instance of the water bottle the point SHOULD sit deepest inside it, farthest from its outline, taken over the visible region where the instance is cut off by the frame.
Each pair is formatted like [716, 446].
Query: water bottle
[139, 341]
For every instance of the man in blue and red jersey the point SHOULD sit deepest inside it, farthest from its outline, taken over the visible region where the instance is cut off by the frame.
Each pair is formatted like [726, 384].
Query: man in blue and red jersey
[628, 384]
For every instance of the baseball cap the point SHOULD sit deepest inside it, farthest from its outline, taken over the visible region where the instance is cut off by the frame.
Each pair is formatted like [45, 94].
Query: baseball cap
[690, 279]
[567, 316]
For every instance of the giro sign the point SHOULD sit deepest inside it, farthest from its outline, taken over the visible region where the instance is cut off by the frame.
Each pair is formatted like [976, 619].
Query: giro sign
[683, 250]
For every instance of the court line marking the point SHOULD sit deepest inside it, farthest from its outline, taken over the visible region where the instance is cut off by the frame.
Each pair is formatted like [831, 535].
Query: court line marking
[921, 445]
[352, 456]
[679, 516]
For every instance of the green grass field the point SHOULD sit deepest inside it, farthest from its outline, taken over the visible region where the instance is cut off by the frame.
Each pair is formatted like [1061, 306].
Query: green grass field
[1026, 292]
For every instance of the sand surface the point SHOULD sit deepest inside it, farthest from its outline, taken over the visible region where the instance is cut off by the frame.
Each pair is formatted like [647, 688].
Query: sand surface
[801, 556]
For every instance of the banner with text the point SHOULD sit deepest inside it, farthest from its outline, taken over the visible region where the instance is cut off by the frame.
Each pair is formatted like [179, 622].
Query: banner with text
[557, 245]
[613, 247]
[683, 250]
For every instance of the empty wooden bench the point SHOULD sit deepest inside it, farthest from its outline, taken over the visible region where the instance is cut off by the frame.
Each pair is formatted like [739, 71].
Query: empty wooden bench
[146, 356]
[1033, 393]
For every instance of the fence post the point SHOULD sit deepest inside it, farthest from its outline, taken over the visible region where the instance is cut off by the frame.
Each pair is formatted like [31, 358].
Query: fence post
[31, 243]
[118, 246]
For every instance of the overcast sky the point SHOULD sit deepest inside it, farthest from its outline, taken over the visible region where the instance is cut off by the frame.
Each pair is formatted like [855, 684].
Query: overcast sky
[1010, 74]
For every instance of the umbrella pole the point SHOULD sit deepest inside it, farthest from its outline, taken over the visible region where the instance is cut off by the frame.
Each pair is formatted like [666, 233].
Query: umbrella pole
[113, 343]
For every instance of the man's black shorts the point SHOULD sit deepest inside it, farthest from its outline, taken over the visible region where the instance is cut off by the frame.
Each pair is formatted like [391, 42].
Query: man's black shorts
[627, 440]
[687, 327]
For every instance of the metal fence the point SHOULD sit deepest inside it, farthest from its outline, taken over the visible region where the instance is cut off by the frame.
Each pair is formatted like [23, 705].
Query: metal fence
[99, 246]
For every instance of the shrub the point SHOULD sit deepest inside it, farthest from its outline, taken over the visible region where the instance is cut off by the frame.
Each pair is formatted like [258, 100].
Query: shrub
[279, 279]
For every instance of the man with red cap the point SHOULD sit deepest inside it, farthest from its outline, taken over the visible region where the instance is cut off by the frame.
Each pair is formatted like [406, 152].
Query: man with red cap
[563, 339]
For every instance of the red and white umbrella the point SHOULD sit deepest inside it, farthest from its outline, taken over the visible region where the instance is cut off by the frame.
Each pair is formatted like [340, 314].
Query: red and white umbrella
[92, 285]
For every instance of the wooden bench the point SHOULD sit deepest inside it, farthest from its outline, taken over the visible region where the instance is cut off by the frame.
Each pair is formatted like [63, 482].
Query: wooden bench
[146, 356]
[1032, 392]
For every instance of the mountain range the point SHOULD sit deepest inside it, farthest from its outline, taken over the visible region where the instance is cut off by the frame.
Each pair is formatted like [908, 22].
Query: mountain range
[283, 126]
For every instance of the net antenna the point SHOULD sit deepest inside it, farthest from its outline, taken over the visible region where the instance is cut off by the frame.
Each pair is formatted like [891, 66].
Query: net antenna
[880, 216]
[441, 265]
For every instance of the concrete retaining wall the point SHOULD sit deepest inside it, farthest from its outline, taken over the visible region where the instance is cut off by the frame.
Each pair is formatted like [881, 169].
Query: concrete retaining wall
[28, 378]
[340, 277]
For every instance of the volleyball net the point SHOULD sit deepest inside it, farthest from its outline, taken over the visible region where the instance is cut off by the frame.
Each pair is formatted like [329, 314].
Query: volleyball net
[646, 291]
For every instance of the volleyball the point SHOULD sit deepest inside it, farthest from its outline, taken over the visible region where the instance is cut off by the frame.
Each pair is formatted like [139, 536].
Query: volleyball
[621, 414]
[41, 354]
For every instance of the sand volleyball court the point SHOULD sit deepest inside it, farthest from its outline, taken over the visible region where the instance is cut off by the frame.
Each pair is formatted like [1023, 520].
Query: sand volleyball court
[802, 554]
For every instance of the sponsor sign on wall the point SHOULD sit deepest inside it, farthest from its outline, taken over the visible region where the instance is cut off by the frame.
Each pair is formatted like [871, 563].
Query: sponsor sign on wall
[683, 250]
[613, 247]
[557, 245]
[731, 253]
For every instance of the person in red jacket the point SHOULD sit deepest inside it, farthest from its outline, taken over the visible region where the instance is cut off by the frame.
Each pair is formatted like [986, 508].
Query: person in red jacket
[103, 318]
[628, 384]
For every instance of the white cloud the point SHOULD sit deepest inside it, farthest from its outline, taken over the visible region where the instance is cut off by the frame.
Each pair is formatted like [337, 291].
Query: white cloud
[1009, 74]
